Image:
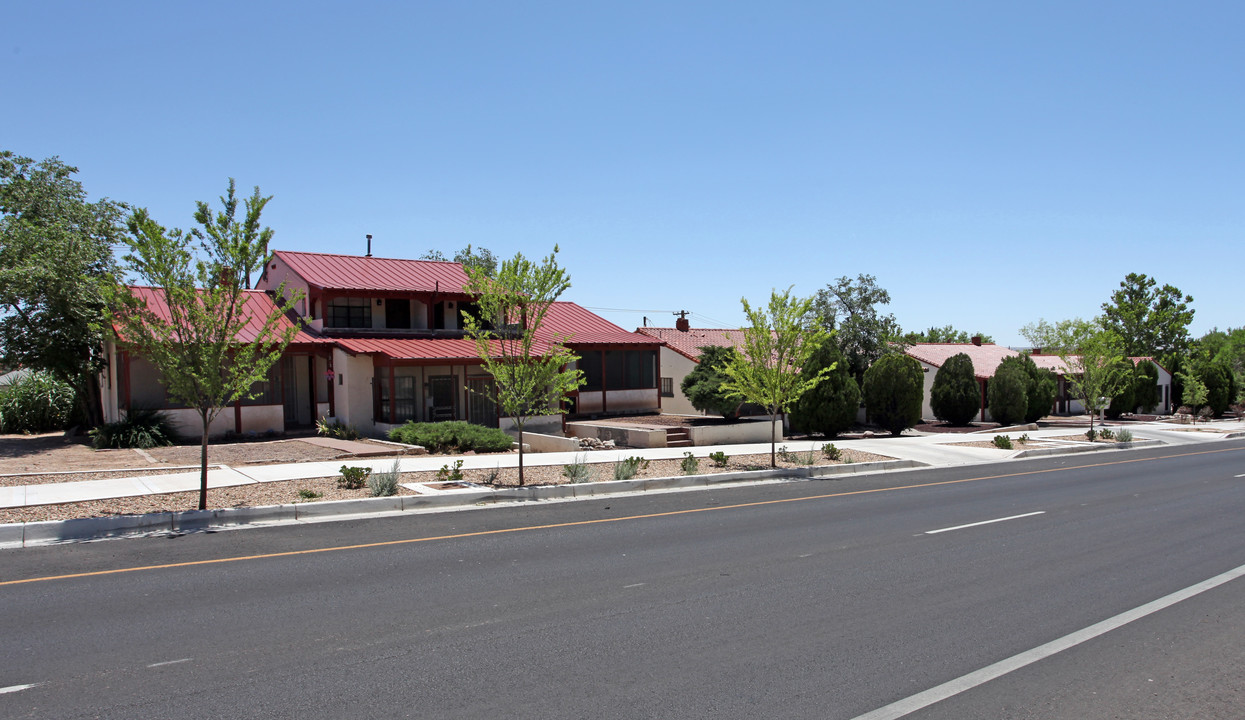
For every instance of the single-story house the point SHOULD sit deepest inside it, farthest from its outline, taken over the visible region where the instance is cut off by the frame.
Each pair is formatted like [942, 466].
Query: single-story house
[986, 358]
[680, 353]
[383, 343]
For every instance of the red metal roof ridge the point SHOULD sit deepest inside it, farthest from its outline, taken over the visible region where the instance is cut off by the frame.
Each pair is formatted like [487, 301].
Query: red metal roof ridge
[363, 257]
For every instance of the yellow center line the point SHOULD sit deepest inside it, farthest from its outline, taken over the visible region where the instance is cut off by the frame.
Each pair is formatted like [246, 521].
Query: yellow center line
[551, 526]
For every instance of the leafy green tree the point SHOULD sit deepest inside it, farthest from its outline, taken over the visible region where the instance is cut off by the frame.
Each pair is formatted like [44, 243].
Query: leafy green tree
[1217, 379]
[945, 334]
[529, 370]
[1007, 393]
[778, 342]
[1194, 393]
[1148, 319]
[55, 259]
[851, 307]
[1092, 355]
[1146, 386]
[1125, 399]
[893, 390]
[1043, 386]
[241, 247]
[194, 341]
[703, 385]
[829, 407]
[955, 396]
[482, 259]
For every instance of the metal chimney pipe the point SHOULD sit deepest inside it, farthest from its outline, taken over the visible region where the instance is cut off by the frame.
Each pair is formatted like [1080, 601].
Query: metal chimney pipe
[369, 246]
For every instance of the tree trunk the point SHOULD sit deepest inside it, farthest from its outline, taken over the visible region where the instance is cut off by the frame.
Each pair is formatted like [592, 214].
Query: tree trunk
[92, 405]
[520, 455]
[773, 441]
[203, 466]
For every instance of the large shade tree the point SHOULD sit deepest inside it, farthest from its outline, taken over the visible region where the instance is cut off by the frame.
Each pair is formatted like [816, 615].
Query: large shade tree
[852, 307]
[189, 322]
[55, 261]
[1148, 319]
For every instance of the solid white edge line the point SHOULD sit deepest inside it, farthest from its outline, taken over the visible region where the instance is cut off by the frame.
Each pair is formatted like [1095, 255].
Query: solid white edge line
[18, 688]
[966, 682]
[983, 522]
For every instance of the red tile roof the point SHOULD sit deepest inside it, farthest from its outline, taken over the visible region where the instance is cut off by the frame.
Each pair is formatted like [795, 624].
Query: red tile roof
[355, 272]
[688, 343]
[257, 305]
[985, 357]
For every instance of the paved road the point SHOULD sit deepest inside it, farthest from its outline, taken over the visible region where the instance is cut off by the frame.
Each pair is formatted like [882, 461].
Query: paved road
[787, 600]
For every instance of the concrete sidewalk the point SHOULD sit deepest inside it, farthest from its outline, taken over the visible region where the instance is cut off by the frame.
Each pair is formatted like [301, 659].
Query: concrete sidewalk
[938, 450]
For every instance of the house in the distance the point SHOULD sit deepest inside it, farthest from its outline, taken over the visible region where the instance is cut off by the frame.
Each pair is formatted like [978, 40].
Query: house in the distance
[986, 358]
[680, 353]
[384, 343]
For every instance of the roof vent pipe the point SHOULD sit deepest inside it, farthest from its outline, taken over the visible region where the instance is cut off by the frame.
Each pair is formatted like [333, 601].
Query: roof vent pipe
[977, 340]
[369, 246]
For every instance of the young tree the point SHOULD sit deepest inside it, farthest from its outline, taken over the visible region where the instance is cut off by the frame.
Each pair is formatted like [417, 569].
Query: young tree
[194, 339]
[955, 396]
[529, 368]
[1125, 399]
[1007, 393]
[483, 259]
[778, 342]
[1149, 320]
[829, 407]
[1194, 393]
[893, 390]
[851, 307]
[1092, 355]
[703, 385]
[239, 246]
[55, 260]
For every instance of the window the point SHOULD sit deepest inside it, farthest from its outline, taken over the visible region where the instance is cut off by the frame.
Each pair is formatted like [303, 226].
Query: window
[667, 387]
[349, 313]
[630, 369]
[590, 363]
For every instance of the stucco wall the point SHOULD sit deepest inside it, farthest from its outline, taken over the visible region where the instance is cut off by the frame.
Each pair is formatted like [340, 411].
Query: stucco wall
[676, 367]
[352, 389]
[279, 272]
[752, 431]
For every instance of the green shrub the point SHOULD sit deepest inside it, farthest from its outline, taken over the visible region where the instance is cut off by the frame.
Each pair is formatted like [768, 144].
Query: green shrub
[36, 403]
[1146, 386]
[831, 452]
[1106, 434]
[336, 429]
[689, 464]
[1023, 439]
[385, 483]
[1007, 394]
[1124, 435]
[703, 385]
[797, 458]
[1219, 390]
[830, 406]
[452, 436]
[629, 468]
[305, 494]
[140, 428]
[1002, 442]
[577, 471]
[1091, 434]
[719, 459]
[956, 396]
[449, 473]
[893, 390]
[353, 478]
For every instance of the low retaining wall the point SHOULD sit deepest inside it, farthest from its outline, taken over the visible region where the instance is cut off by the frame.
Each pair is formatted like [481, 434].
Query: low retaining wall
[738, 433]
[621, 434]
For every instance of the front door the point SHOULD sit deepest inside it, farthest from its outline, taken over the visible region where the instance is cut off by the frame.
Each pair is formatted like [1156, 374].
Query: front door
[481, 401]
[441, 392]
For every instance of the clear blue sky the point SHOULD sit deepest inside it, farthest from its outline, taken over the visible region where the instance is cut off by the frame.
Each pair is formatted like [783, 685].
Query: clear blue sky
[991, 163]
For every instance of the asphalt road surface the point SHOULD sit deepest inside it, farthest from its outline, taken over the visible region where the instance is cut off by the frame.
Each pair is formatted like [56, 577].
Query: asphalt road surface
[884, 596]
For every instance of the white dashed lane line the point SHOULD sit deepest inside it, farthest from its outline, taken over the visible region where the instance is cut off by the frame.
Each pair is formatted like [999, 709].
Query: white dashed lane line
[984, 522]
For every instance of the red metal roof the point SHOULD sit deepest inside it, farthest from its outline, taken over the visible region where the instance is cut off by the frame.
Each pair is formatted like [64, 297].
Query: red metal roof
[689, 343]
[355, 272]
[448, 349]
[256, 307]
[583, 327]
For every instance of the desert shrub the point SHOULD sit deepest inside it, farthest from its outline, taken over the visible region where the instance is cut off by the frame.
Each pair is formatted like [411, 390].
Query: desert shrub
[451, 473]
[306, 494]
[353, 478]
[140, 428]
[719, 459]
[955, 396]
[1106, 434]
[689, 465]
[893, 390]
[1124, 435]
[452, 436]
[1008, 394]
[1002, 442]
[1043, 386]
[629, 468]
[829, 407]
[336, 429]
[36, 403]
[385, 483]
[797, 458]
[831, 452]
[1091, 434]
[577, 471]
